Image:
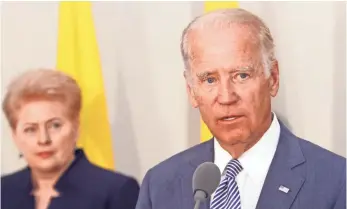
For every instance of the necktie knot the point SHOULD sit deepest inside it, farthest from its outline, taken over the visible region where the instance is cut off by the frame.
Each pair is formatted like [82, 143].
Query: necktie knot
[233, 168]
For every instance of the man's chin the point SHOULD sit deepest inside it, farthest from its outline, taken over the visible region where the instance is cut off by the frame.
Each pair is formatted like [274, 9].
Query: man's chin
[232, 138]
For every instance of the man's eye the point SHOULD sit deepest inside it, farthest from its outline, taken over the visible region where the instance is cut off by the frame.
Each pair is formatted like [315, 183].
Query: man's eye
[242, 76]
[210, 80]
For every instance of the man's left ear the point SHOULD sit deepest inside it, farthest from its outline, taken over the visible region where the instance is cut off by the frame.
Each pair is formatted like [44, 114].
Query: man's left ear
[274, 79]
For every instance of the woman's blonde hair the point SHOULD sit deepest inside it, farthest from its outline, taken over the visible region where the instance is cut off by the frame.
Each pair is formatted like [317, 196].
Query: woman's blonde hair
[42, 84]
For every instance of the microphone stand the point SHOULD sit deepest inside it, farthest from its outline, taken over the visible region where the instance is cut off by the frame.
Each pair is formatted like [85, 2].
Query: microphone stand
[199, 196]
[197, 204]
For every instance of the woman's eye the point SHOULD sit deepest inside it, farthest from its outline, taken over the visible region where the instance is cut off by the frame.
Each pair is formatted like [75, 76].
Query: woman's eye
[29, 130]
[55, 125]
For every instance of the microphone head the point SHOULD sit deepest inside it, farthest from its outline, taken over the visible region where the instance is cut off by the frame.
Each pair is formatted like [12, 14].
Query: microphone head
[206, 179]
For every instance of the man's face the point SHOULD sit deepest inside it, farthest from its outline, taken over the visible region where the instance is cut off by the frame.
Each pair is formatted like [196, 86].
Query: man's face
[229, 84]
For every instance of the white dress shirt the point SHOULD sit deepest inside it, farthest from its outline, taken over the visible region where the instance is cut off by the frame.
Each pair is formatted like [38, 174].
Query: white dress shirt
[255, 162]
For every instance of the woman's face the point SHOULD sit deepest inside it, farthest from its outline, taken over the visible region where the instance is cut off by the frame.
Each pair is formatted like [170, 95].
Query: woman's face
[45, 135]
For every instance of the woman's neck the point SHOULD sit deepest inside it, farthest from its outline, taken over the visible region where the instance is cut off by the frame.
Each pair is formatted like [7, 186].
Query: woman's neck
[47, 179]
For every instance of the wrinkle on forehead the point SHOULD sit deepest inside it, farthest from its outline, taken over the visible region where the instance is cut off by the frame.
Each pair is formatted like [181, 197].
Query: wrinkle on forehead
[241, 31]
[212, 40]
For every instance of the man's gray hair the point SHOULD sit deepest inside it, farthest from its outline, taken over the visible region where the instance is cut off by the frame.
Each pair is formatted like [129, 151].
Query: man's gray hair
[224, 18]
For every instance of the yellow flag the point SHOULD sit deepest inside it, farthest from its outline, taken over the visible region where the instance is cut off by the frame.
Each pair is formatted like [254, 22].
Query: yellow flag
[78, 56]
[209, 6]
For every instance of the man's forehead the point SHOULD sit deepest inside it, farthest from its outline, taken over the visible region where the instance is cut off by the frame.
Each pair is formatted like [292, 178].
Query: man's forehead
[224, 49]
[233, 31]
[227, 61]
[224, 44]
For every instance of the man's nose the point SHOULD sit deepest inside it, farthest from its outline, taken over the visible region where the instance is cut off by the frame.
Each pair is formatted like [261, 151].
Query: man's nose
[227, 94]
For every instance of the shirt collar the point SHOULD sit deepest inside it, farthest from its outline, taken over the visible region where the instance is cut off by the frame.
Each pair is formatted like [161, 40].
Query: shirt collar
[255, 161]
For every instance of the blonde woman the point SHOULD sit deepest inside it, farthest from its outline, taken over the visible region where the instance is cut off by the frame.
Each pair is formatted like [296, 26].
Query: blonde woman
[43, 108]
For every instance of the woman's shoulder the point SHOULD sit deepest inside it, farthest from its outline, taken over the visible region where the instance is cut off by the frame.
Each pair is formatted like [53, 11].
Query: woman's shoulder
[16, 181]
[99, 184]
[122, 190]
[92, 175]
[110, 176]
[16, 176]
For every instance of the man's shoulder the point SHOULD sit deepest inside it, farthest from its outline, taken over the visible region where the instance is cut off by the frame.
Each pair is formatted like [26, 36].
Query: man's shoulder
[162, 182]
[315, 154]
[174, 165]
[323, 170]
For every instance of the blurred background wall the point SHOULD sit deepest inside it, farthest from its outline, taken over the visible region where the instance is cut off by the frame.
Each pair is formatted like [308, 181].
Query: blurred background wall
[143, 71]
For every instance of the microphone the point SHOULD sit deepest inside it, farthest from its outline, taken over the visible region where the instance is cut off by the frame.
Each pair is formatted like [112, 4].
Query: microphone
[206, 179]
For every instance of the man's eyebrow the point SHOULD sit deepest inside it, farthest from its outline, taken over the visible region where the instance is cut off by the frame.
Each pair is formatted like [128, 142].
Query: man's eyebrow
[204, 74]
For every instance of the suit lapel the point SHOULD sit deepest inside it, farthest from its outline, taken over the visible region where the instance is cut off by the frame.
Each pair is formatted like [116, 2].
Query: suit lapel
[203, 153]
[23, 195]
[67, 185]
[286, 172]
[285, 177]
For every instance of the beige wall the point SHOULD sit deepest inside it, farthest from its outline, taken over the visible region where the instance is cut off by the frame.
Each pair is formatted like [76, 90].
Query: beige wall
[28, 40]
[148, 109]
[311, 47]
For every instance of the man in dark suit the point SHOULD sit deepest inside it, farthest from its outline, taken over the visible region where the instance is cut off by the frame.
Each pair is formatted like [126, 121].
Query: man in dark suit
[231, 74]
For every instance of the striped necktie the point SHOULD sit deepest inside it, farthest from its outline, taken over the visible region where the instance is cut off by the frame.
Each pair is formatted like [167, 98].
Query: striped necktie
[227, 194]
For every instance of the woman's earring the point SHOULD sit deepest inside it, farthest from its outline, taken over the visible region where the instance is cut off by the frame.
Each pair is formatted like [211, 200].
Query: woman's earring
[20, 155]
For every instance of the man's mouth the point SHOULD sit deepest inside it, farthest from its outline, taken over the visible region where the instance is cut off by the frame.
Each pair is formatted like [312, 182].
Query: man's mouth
[231, 118]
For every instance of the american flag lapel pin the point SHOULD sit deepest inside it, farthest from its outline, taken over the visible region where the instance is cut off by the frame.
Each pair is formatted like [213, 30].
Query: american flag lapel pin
[283, 189]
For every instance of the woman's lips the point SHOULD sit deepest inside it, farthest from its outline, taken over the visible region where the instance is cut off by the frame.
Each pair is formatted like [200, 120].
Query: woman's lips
[45, 154]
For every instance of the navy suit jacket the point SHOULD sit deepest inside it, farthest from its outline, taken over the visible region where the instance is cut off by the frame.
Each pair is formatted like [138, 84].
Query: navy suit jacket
[82, 186]
[316, 178]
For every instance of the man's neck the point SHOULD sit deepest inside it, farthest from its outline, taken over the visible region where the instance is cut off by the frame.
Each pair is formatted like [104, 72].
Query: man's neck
[236, 150]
